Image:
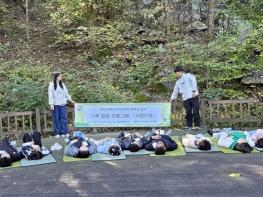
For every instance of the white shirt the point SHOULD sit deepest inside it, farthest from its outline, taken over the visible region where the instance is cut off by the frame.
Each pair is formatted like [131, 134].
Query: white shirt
[191, 141]
[58, 96]
[185, 86]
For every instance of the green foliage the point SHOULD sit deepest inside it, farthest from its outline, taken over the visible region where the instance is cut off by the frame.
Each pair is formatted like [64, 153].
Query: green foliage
[219, 93]
[23, 88]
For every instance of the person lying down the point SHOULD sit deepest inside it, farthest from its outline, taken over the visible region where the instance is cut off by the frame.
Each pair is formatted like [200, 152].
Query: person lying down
[198, 141]
[80, 146]
[232, 139]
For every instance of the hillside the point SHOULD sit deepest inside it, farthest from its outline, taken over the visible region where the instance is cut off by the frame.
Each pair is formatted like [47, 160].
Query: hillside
[125, 51]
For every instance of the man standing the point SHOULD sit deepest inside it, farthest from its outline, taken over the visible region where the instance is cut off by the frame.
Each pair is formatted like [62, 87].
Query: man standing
[187, 86]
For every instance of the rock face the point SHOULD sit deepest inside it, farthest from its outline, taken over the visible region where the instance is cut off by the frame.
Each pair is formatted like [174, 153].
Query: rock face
[255, 78]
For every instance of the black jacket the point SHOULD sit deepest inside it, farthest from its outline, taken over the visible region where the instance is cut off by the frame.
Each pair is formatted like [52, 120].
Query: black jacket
[169, 143]
[15, 156]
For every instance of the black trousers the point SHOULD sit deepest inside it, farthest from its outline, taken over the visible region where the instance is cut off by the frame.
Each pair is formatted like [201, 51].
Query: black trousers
[192, 107]
[36, 137]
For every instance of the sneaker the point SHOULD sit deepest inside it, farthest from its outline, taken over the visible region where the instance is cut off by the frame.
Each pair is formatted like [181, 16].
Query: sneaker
[56, 146]
[57, 136]
[188, 128]
[196, 128]
[63, 135]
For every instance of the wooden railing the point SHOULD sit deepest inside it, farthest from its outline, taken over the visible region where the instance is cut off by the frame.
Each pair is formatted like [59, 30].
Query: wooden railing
[212, 111]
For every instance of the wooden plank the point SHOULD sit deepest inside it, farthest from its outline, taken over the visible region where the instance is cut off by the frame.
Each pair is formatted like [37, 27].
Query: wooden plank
[233, 101]
[26, 113]
[23, 122]
[30, 122]
[8, 123]
[234, 120]
[16, 123]
[1, 125]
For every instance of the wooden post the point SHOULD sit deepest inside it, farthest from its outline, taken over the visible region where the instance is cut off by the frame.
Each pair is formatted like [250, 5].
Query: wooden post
[38, 121]
[203, 111]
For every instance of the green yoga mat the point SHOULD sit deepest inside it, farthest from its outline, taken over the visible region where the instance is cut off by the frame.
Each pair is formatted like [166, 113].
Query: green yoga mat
[178, 152]
[69, 159]
[140, 152]
[213, 149]
[45, 160]
[107, 157]
[14, 165]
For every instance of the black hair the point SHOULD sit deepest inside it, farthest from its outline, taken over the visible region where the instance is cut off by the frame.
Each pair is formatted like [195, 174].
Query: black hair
[204, 145]
[114, 150]
[5, 162]
[83, 154]
[134, 147]
[35, 155]
[55, 76]
[259, 143]
[178, 68]
[243, 147]
[160, 150]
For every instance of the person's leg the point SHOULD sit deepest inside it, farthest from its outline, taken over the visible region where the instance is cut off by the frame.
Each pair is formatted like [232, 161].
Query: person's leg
[37, 138]
[189, 115]
[196, 108]
[63, 120]
[56, 122]
[27, 138]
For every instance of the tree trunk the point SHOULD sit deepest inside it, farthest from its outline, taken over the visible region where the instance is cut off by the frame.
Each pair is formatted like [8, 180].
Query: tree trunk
[27, 22]
[211, 19]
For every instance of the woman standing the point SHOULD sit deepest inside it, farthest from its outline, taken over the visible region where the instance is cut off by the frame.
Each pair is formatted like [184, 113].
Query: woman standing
[58, 97]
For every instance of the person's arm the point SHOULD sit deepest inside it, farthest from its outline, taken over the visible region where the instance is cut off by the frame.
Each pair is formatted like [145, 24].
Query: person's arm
[249, 140]
[68, 97]
[71, 150]
[148, 145]
[193, 83]
[51, 100]
[171, 145]
[91, 146]
[175, 92]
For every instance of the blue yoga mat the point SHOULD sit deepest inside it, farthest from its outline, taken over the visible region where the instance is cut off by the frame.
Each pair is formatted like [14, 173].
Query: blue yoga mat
[140, 152]
[45, 160]
[107, 157]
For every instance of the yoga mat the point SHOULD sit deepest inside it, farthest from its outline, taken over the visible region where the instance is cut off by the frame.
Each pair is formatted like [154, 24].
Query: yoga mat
[140, 152]
[14, 165]
[178, 152]
[259, 149]
[69, 158]
[213, 149]
[107, 157]
[45, 160]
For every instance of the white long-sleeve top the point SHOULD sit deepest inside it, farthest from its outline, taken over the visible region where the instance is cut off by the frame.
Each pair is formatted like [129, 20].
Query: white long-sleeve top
[185, 86]
[59, 96]
[192, 141]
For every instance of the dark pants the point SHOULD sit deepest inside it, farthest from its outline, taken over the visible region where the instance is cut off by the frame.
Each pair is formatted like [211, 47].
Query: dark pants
[60, 120]
[36, 137]
[192, 112]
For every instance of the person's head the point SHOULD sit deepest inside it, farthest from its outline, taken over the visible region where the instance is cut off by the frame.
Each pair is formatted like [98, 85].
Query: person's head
[243, 147]
[160, 148]
[134, 147]
[114, 150]
[5, 160]
[35, 155]
[178, 71]
[259, 143]
[57, 78]
[83, 153]
[204, 145]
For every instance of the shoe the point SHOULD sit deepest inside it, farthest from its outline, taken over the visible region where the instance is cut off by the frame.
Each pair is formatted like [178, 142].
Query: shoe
[67, 135]
[188, 128]
[56, 146]
[63, 135]
[57, 136]
[196, 128]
